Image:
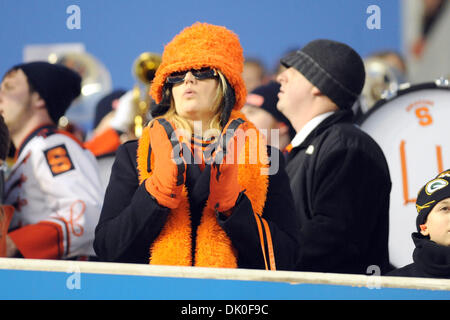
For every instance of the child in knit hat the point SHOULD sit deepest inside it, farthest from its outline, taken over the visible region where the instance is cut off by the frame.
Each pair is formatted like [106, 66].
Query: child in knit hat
[432, 239]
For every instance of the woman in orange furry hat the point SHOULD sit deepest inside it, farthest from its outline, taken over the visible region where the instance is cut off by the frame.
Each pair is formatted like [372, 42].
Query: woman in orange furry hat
[197, 188]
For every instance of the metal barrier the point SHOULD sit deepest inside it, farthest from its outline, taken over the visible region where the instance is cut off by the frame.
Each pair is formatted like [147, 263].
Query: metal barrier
[55, 279]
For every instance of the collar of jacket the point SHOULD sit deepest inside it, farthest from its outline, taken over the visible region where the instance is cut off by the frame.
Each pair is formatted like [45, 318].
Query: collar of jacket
[213, 248]
[340, 116]
[44, 130]
[431, 257]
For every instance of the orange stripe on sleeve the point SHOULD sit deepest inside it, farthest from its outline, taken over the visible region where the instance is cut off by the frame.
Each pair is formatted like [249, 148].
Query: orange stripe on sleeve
[106, 142]
[43, 240]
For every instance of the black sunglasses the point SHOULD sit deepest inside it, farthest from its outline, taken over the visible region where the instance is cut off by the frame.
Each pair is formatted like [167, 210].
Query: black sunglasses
[201, 74]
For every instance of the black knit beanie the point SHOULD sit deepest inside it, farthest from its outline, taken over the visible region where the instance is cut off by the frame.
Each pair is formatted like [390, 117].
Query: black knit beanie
[266, 98]
[333, 67]
[431, 193]
[56, 84]
[105, 105]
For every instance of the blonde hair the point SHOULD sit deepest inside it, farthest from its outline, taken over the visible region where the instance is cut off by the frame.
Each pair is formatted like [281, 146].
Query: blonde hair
[217, 106]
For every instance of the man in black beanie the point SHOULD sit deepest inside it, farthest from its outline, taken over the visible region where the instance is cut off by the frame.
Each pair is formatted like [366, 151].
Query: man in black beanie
[54, 184]
[338, 174]
[432, 240]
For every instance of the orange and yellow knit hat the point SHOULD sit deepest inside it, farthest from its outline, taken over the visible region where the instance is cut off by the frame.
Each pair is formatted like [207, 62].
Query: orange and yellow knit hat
[203, 45]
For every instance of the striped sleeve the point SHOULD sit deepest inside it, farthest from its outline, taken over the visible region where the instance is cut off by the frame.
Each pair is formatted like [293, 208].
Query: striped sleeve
[43, 240]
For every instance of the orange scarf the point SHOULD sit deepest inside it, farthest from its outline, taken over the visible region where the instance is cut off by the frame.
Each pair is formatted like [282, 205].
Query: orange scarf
[173, 245]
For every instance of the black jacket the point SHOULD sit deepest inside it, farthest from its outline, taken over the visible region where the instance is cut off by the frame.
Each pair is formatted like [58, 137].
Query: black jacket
[431, 260]
[131, 219]
[340, 181]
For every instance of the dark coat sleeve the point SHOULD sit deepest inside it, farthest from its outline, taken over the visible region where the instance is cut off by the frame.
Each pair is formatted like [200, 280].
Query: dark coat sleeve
[349, 202]
[130, 219]
[280, 215]
[409, 270]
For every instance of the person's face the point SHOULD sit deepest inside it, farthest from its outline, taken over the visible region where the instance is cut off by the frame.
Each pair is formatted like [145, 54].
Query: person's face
[260, 117]
[262, 120]
[437, 225]
[252, 75]
[295, 93]
[15, 99]
[195, 99]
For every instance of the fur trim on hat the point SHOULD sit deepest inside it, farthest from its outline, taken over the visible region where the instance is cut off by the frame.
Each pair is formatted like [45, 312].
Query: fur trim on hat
[203, 45]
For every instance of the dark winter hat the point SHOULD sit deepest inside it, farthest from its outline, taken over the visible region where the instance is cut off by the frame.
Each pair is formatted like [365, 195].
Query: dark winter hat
[56, 84]
[333, 67]
[266, 98]
[105, 105]
[431, 193]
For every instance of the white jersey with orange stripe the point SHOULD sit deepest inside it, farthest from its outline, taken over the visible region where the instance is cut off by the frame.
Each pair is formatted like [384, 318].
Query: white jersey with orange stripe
[55, 182]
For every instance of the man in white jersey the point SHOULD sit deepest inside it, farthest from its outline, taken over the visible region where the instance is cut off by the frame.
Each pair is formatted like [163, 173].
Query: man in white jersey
[54, 184]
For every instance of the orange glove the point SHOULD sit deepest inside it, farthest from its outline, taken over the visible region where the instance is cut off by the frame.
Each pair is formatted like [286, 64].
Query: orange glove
[169, 174]
[6, 213]
[224, 188]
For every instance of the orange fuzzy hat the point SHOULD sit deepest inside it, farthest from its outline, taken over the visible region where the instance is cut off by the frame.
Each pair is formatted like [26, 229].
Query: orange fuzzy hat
[203, 45]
